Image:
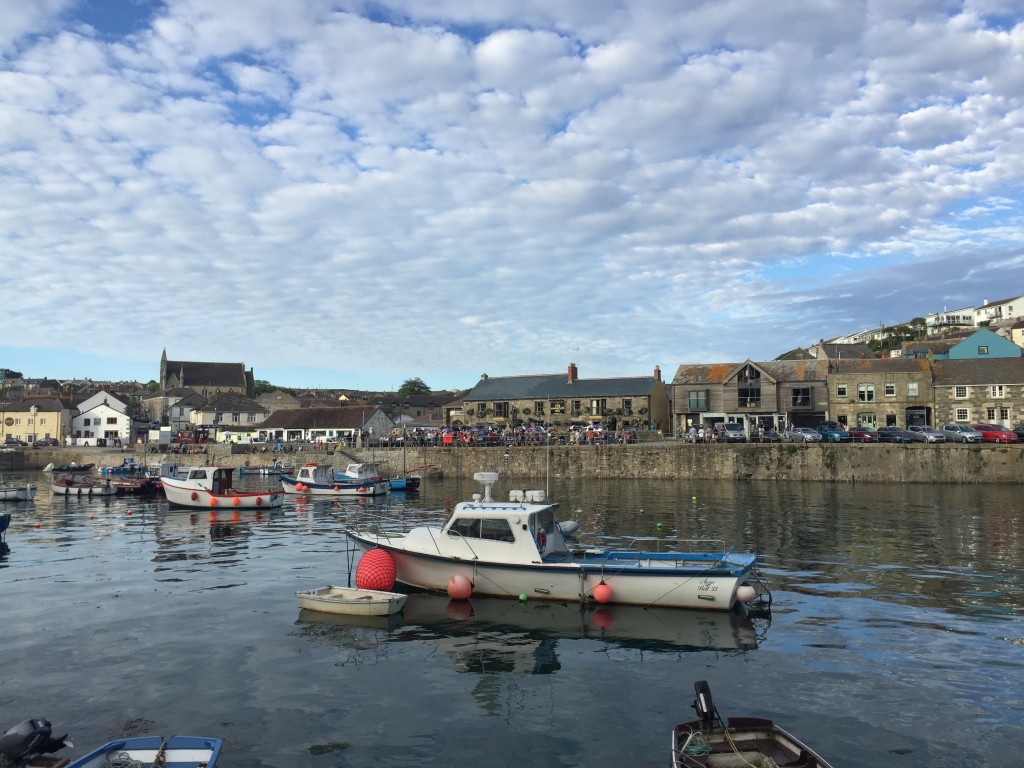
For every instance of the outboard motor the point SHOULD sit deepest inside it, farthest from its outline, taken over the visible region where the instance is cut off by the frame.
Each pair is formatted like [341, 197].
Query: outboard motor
[29, 739]
[703, 703]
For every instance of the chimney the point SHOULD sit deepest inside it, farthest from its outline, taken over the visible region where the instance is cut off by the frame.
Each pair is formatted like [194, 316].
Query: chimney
[573, 375]
[657, 372]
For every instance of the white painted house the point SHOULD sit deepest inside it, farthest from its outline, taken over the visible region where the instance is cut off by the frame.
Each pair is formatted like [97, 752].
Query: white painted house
[101, 417]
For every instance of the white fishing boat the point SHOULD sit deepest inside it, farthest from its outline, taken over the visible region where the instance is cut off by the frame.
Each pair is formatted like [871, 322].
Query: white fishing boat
[313, 479]
[516, 549]
[205, 487]
[81, 486]
[351, 601]
[12, 492]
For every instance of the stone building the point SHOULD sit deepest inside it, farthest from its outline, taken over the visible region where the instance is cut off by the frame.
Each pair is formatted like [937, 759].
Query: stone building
[207, 379]
[565, 399]
[880, 392]
[973, 391]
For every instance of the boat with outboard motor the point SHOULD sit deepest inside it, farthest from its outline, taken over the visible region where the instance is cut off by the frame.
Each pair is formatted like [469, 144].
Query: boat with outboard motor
[315, 479]
[516, 548]
[708, 742]
[368, 475]
[212, 486]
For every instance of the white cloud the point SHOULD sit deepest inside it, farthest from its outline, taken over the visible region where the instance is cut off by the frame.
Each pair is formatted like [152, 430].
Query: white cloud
[488, 185]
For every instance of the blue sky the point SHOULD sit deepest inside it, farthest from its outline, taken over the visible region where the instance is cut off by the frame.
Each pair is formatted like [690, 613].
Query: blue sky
[351, 194]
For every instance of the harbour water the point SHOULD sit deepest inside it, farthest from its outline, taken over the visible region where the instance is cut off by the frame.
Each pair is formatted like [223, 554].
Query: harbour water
[895, 637]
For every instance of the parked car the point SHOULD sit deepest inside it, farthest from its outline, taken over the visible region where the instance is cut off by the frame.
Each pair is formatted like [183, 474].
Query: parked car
[891, 435]
[769, 436]
[961, 433]
[863, 435]
[922, 433]
[804, 435]
[12, 442]
[46, 442]
[730, 432]
[995, 433]
[1018, 431]
[833, 432]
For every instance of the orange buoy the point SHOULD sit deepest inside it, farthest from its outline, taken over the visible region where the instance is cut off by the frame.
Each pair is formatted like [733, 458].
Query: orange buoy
[602, 593]
[459, 587]
[236, 501]
[213, 501]
[376, 570]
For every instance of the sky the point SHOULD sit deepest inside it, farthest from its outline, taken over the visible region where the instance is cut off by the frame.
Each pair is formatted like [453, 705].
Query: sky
[353, 194]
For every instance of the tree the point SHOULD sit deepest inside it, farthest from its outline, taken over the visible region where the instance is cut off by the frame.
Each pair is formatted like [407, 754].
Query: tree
[262, 385]
[413, 387]
[7, 373]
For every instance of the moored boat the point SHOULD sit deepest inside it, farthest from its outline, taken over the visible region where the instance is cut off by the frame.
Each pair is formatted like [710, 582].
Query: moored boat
[277, 468]
[367, 475]
[315, 479]
[12, 492]
[74, 484]
[205, 487]
[176, 751]
[404, 483]
[746, 741]
[516, 548]
[351, 601]
[72, 467]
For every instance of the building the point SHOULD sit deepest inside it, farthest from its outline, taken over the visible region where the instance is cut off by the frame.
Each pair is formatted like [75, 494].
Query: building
[881, 392]
[353, 424]
[35, 418]
[774, 394]
[231, 412]
[101, 417]
[979, 344]
[974, 391]
[207, 379]
[565, 399]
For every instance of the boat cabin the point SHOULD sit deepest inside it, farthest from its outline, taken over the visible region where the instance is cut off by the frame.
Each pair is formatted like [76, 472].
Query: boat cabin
[530, 527]
[217, 480]
[366, 471]
[311, 472]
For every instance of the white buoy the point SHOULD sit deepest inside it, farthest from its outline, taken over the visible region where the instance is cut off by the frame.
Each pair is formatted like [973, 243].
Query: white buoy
[745, 593]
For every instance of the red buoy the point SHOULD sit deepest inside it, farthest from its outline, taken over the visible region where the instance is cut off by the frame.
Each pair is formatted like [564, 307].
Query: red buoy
[213, 501]
[236, 501]
[459, 587]
[602, 593]
[376, 570]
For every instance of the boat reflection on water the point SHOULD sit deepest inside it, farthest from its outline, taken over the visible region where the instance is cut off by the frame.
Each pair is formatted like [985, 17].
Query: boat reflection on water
[490, 635]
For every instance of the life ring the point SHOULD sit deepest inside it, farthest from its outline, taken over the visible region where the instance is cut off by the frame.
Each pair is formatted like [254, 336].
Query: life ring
[542, 540]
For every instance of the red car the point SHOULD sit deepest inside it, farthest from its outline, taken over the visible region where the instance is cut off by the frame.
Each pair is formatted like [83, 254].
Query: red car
[863, 435]
[996, 433]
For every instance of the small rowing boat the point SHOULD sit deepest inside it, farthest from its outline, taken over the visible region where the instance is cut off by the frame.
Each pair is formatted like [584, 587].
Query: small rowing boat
[746, 741]
[176, 751]
[353, 602]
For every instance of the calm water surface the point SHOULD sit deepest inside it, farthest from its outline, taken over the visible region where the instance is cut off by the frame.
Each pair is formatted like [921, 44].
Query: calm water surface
[896, 636]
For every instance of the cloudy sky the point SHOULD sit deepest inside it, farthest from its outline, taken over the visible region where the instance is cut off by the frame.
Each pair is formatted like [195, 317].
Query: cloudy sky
[350, 194]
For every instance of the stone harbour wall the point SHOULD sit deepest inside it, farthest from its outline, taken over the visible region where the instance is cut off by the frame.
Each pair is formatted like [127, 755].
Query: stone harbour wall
[670, 459]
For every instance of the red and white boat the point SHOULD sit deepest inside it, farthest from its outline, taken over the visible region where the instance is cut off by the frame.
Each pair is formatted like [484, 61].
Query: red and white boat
[206, 487]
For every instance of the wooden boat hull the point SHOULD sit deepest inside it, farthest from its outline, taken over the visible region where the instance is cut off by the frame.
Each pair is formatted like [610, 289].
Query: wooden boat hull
[746, 741]
[179, 752]
[182, 494]
[81, 490]
[631, 581]
[338, 488]
[351, 602]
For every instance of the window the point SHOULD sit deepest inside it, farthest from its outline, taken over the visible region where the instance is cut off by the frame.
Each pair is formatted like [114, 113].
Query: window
[111, 419]
[982, 350]
[960, 392]
[501, 410]
[866, 393]
[997, 390]
[991, 414]
[576, 406]
[627, 406]
[749, 387]
[538, 407]
[234, 418]
[868, 420]
[961, 414]
[801, 397]
[840, 390]
[911, 389]
[1004, 413]
[597, 407]
[890, 390]
[697, 400]
[496, 530]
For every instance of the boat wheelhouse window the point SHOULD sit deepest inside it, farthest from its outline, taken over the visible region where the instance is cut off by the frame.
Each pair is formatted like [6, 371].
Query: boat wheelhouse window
[197, 474]
[477, 528]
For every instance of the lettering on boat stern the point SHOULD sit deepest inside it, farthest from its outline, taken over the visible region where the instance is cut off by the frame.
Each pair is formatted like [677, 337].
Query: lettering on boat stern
[707, 585]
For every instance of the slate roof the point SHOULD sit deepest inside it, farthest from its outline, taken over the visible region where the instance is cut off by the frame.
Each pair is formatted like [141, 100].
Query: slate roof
[881, 365]
[231, 403]
[836, 351]
[557, 386]
[211, 375]
[779, 370]
[983, 373]
[344, 417]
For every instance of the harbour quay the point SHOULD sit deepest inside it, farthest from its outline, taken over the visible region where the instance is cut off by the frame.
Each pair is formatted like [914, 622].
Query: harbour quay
[668, 459]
